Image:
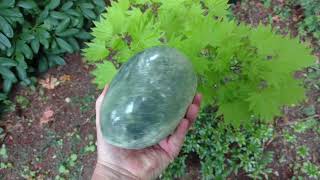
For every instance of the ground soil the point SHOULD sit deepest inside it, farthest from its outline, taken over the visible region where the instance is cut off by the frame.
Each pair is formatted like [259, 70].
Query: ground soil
[44, 147]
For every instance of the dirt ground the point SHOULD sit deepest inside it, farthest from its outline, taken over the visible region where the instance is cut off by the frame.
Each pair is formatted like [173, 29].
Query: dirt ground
[55, 133]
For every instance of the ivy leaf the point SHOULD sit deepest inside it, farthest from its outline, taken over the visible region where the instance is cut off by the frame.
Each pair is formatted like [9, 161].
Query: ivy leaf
[109, 71]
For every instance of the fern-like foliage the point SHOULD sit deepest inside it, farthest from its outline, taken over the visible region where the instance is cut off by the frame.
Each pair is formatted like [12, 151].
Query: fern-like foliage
[247, 72]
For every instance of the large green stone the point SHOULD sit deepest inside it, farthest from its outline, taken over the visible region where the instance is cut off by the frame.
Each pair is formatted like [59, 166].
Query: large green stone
[147, 98]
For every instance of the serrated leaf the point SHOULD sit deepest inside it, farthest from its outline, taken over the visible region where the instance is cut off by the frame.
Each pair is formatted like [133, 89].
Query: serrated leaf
[235, 113]
[96, 51]
[5, 41]
[109, 71]
[68, 32]
[53, 4]
[64, 45]
[6, 27]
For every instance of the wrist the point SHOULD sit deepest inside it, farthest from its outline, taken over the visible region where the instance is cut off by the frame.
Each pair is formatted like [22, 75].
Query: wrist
[110, 172]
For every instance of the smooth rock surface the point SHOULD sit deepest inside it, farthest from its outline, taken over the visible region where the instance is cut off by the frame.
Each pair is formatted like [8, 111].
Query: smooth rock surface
[147, 98]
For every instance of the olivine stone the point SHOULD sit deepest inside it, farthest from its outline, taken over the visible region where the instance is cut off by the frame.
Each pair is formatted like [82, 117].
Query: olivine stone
[147, 98]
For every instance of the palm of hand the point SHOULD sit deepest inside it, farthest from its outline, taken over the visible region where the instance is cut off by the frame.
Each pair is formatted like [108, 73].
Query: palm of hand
[149, 162]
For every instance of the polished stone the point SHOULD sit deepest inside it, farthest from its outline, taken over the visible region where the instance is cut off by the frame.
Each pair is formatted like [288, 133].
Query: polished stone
[147, 98]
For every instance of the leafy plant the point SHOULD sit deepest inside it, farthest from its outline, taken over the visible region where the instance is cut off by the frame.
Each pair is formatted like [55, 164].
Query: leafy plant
[34, 35]
[240, 68]
[224, 150]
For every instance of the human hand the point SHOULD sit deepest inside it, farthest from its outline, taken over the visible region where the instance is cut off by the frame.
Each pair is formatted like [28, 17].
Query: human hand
[118, 163]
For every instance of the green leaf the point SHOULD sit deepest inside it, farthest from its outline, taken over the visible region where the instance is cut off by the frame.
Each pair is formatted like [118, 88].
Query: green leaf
[53, 4]
[42, 16]
[64, 45]
[89, 13]
[2, 97]
[6, 62]
[12, 13]
[5, 41]
[54, 44]
[73, 13]
[74, 43]
[43, 64]
[6, 27]
[96, 51]
[109, 71]
[57, 60]
[63, 25]
[7, 85]
[58, 15]
[66, 6]
[7, 4]
[22, 73]
[35, 45]
[86, 6]
[27, 51]
[235, 113]
[30, 4]
[83, 35]
[69, 32]
[100, 3]
[7, 74]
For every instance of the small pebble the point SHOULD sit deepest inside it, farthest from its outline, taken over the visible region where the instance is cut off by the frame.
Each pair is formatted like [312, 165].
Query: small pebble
[68, 100]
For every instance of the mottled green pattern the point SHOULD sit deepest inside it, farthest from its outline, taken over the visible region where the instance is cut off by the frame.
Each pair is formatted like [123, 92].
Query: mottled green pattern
[147, 98]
